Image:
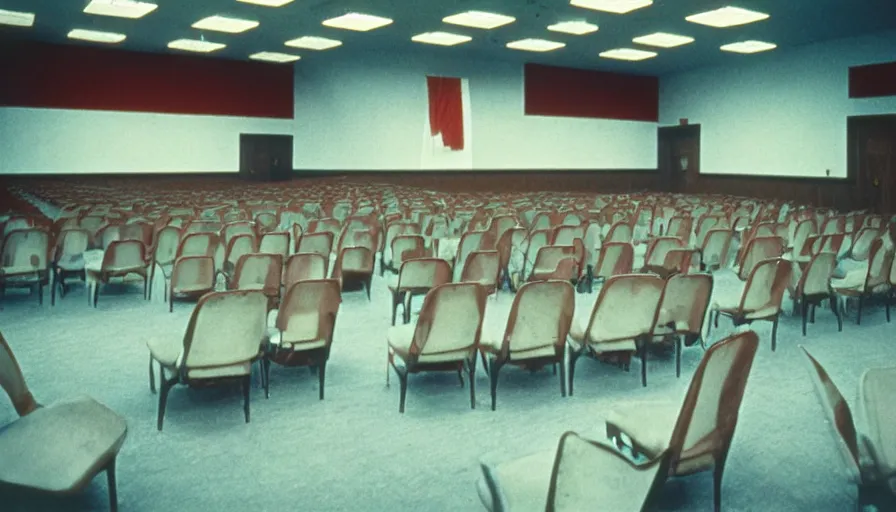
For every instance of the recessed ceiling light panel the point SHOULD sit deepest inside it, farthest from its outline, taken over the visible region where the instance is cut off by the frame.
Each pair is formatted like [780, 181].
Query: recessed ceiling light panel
[749, 47]
[193, 45]
[441, 38]
[313, 43]
[274, 57]
[358, 22]
[96, 36]
[577, 28]
[225, 24]
[120, 8]
[628, 54]
[663, 40]
[267, 3]
[614, 6]
[727, 17]
[16, 18]
[479, 19]
[535, 45]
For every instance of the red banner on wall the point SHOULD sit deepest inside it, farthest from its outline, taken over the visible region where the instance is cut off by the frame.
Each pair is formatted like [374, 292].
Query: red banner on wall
[446, 110]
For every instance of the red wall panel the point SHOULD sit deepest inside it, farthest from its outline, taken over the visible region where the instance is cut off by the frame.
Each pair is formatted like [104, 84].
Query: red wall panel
[88, 78]
[872, 81]
[569, 92]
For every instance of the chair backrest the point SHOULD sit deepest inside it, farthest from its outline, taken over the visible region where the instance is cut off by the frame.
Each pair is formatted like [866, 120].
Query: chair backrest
[680, 227]
[192, 273]
[760, 249]
[540, 317]
[353, 259]
[876, 408]
[308, 310]
[481, 267]
[304, 266]
[240, 245]
[198, 244]
[711, 406]
[13, 382]
[319, 243]
[565, 234]
[550, 256]
[861, 247]
[203, 226]
[167, 242]
[616, 258]
[226, 328]
[26, 248]
[685, 303]
[619, 232]
[276, 242]
[259, 271]
[658, 247]
[678, 260]
[265, 222]
[838, 416]
[716, 244]
[816, 279]
[804, 229]
[580, 462]
[880, 261]
[450, 320]
[625, 308]
[124, 255]
[764, 289]
[232, 229]
[405, 247]
[423, 273]
[71, 243]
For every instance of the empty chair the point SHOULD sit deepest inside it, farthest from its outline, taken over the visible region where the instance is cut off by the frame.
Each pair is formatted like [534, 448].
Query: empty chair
[445, 336]
[68, 258]
[416, 277]
[698, 433]
[121, 258]
[470, 242]
[535, 334]
[356, 264]
[814, 287]
[554, 262]
[580, 475]
[482, 268]
[761, 298]
[615, 258]
[238, 246]
[318, 243]
[714, 251]
[164, 254]
[24, 261]
[621, 321]
[403, 248]
[657, 249]
[203, 226]
[864, 283]
[759, 249]
[266, 222]
[619, 232]
[868, 458]
[222, 340]
[232, 229]
[59, 448]
[304, 328]
[258, 272]
[683, 311]
[192, 276]
[304, 266]
[275, 242]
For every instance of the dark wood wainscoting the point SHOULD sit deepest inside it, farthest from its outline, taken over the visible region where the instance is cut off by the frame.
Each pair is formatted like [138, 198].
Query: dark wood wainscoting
[824, 192]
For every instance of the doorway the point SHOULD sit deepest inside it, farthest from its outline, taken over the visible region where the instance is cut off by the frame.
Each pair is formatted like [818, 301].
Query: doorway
[678, 157]
[265, 157]
[871, 154]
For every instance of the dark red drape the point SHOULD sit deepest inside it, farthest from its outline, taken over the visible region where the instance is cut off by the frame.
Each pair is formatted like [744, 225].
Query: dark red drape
[446, 110]
[872, 81]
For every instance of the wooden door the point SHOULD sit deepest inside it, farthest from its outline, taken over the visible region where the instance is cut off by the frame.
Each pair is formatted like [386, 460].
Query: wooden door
[265, 157]
[678, 157]
[872, 162]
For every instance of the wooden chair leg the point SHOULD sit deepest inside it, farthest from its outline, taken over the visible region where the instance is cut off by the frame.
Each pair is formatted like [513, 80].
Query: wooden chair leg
[643, 353]
[717, 472]
[471, 368]
[573, 357]
[859, 312]
[836, 311]
[164, 387]
[266, 372]
[677, 357]
[152, 377]
[246, 384]
[494, 368]
[774, 333]
[321, 373]
[804, 313]
[403, 382]
[113, 486]
[562, 378]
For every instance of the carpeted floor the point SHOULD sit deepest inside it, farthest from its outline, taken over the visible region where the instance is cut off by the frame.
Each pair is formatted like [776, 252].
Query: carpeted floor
[354, 451]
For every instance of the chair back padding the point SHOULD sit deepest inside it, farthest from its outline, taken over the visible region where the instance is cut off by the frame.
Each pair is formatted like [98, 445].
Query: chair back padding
[539, 320]
[616, 258]
[304, 266]
[450, 320]
[423, 273]
[319, 243]
[626, 308]
[308, 311]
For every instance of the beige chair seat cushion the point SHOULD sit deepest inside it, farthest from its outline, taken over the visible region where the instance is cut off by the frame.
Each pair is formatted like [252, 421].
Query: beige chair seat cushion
[853, 281]
[169, 353]
[577, 339]
[648, 424]
[193, 287]
[61, 447]
[492, 344]
[19, 271]
[297, 346]
[524, 483]
[400, 338]
[71, 263]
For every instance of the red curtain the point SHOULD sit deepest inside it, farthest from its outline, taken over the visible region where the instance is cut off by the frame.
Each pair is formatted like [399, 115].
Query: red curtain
[446, 110]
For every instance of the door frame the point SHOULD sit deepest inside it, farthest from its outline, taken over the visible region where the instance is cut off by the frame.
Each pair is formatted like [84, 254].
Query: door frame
[669, 135]
[853, 125]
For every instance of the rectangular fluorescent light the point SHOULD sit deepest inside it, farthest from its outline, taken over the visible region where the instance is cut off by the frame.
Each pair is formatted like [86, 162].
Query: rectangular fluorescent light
[120, 8]
[441, 38]
[225, 24]
[577, 28]
[749, 47]
[358, 22]
[614, 6]
[627, 54]
[192, 45]
[727, 17]
[278, 57]
[267, 3]
[663, 40]
[479, 19]
[313, 43]
[16, 18]
[96, 36]
[535, 45]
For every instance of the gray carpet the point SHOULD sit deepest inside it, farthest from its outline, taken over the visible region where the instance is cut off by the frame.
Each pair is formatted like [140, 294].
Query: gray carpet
[354, 451]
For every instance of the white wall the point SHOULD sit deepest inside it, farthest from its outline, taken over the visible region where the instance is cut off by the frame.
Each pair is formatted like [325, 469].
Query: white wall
[365, 113]
[781, 113]
[81, 141]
